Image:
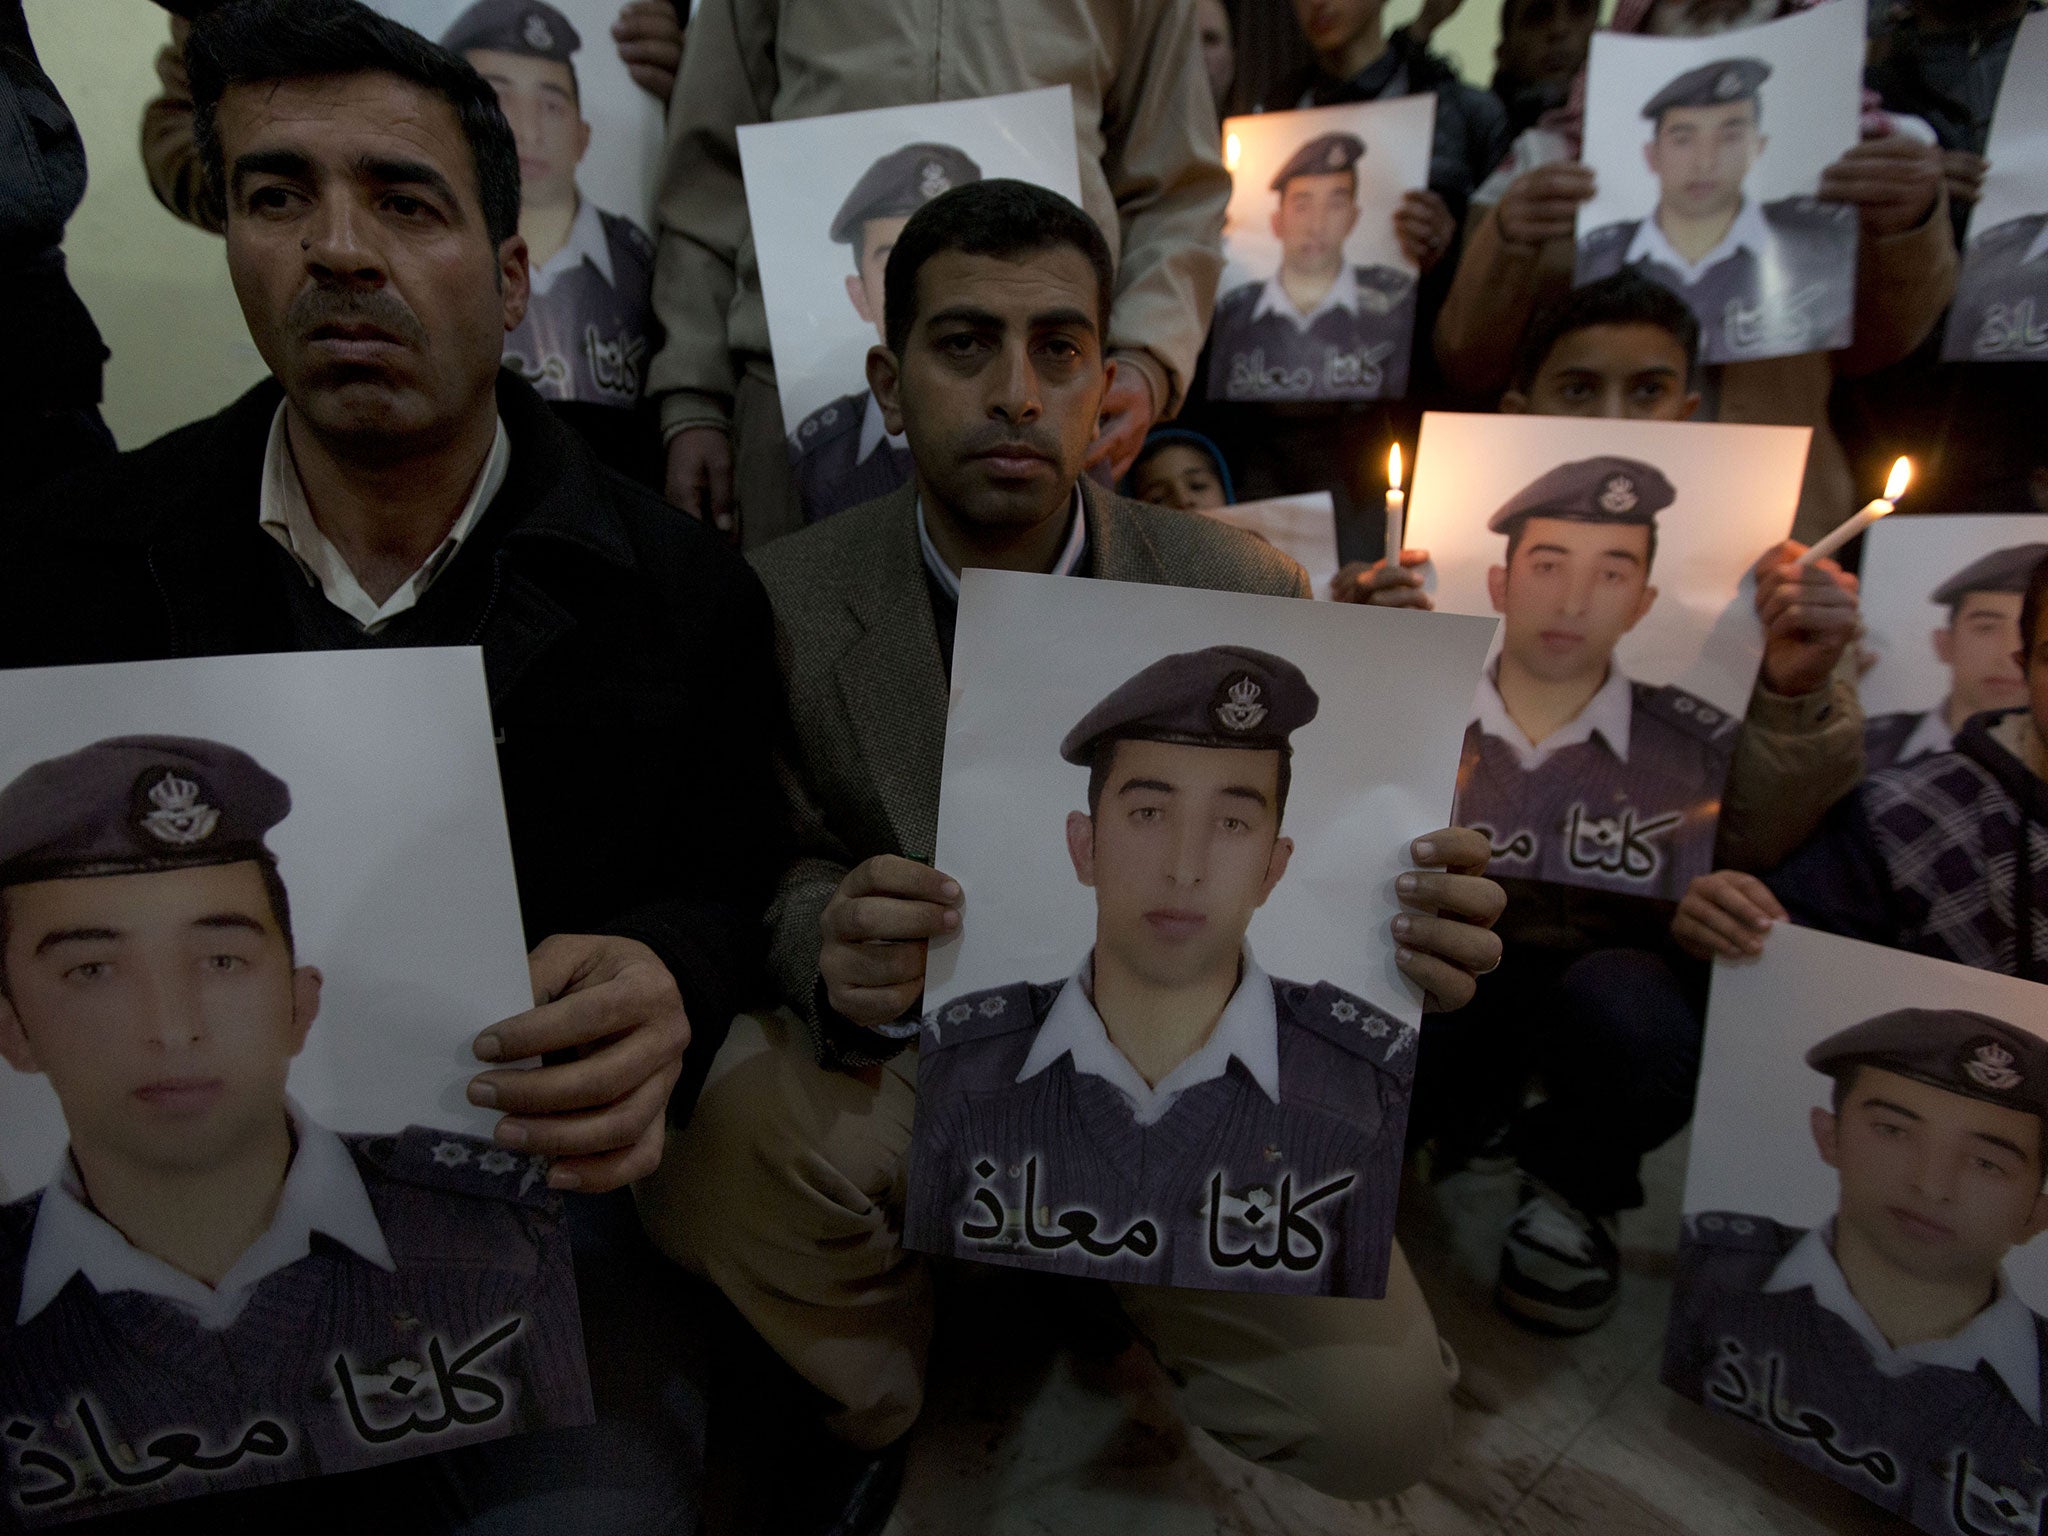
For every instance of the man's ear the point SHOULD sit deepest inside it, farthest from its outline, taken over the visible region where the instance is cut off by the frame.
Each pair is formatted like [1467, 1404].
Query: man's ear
[857, 291]
[1497, 587]
[306, 981]
[1514, 403]
[1276, 230]
[1692, 406]
[1276, 866]
[515, 280]
[1643, 607]
[14, 1046]
[2037, 1219]
[1081, 845]
[1763, 142]
[884, 375]
[1826, 1135]
[1945, 646]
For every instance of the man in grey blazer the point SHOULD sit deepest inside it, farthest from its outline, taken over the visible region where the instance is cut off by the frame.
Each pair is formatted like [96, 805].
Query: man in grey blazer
[788, 1187]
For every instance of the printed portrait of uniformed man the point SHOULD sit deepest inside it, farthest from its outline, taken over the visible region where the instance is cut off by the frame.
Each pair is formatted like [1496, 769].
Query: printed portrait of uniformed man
[1764, 279]
[1321, 327]
[589, 330]
[1577, 773]
[2000, 314]
[214, 1290]
[1886, 1347]
[1980, 647]
[843, 451]
[1169, 1112]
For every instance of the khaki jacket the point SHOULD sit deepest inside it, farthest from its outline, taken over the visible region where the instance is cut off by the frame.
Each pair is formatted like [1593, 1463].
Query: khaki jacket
[859, 650]
[1151, 174]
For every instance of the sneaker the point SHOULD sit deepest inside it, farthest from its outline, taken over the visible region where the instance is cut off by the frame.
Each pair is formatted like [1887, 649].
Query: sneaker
[1560, 1270]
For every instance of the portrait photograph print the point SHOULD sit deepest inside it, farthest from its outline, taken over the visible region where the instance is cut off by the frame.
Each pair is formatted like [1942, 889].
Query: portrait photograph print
[1707, 153]
[253, 911]
[827, 197]
[590, 141]
[1171, 1044]
[1304, 528]
[1618, 555]
[1941, 603]
[1862, 1277]
[2000, 313]
[1317, 301]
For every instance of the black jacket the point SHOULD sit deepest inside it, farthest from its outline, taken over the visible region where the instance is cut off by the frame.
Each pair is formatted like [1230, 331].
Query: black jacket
[628, 651]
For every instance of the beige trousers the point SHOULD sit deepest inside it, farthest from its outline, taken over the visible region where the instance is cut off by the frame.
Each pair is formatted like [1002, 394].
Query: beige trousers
[786, 1190]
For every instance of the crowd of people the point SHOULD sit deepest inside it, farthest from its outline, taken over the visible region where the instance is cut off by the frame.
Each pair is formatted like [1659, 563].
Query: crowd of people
[720, 726]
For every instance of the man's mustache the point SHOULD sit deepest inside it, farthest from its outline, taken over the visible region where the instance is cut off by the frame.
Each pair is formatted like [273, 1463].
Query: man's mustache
[376, 308]
[995, 437]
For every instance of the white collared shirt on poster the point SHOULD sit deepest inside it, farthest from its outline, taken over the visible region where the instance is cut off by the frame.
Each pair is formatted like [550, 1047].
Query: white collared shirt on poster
[287, 517]
[322, 1192]
[1248, 1029]
[1607, 715]
[1068, 562]
[1749, 229]
[1930, 735]
[1342, 294]
[2002, 1335]
[586, 242]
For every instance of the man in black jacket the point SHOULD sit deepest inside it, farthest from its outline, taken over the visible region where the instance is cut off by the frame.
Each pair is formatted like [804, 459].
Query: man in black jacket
[392, 486]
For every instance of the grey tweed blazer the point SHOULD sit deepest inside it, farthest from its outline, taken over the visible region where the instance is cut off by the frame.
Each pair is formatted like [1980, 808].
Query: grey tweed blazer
[859, 651]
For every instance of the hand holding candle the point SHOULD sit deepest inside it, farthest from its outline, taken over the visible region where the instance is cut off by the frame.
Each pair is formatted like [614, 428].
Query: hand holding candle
[1397, 501]
[1902, 474]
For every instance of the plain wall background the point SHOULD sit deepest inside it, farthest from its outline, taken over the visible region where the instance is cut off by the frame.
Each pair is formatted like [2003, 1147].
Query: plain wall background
[159, 289]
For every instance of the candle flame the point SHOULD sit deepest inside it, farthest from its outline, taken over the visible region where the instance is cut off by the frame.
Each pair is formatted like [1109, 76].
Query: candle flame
[1232, 149]
[1902, 476]
[1394, 467]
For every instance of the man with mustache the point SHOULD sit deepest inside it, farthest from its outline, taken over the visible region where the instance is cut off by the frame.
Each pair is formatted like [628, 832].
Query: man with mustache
[1765, 279]
[1170, 1080]
[391, 484]
[1886, 1348]
[1319, 328]
[788, 1187]
[148, 972]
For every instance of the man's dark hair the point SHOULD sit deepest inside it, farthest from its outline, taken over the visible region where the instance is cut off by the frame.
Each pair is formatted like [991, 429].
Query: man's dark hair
[2033, 609]
[1515, 542]
[1104, 755]
[273, 887]
[251, 42]
[1001, 218]
[1625, 298]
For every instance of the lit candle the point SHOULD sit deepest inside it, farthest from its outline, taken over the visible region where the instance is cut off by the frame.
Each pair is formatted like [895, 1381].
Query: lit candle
[1397, 500]
[1902, 472]
[1232, 149]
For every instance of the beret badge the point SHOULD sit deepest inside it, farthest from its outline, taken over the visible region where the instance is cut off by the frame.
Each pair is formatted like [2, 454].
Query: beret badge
[536, 32]
[1618, 495]
[932, 180]
[1729, 86]
[1239, 709]
[177, 817]
[1991, 1065]
[1335, 158]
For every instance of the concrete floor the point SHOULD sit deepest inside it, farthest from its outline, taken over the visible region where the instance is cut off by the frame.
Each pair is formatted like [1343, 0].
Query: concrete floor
[1554, 1436]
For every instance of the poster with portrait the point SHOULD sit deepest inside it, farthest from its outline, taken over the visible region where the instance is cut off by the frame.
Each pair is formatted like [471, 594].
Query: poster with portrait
[1941, 627]
[2000, 313]
[1317, 299]
[1171, 1044]
[827, 197]
[256, 909]
[590, 143]
[1708, 153]
[1862, 1277]
[1618, 555]
[1304, 528]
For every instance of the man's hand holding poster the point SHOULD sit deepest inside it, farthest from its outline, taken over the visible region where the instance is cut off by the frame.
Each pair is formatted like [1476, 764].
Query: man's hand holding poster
[1618, 555]
[253, 912]
[1173, 1043]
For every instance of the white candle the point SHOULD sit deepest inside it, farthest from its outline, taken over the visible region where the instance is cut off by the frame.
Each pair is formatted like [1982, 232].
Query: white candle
[1397, 500]
[1902, 472]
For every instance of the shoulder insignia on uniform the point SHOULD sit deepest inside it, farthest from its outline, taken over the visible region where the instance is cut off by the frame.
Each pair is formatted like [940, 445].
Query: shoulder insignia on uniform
[1808, 211]
[1383, 289]
[448, 1160]
[2020, 231]
[1689, 713]
[1609, 237]
[1350, 1022]
[834, 419]
[1730, 1229]
[982, 1015]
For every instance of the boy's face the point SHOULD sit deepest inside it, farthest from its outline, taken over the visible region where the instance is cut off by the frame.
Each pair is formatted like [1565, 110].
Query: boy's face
[1315, 215]
[2035, 659]
[1701, 154]
[1634, 371]
[1939, 1185]
[1981, 649]
[164, 1008]
[1330, 25]
[1570, 591]
[1182, 849]
[538, 97]
[864, 287]
[1180, 476]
